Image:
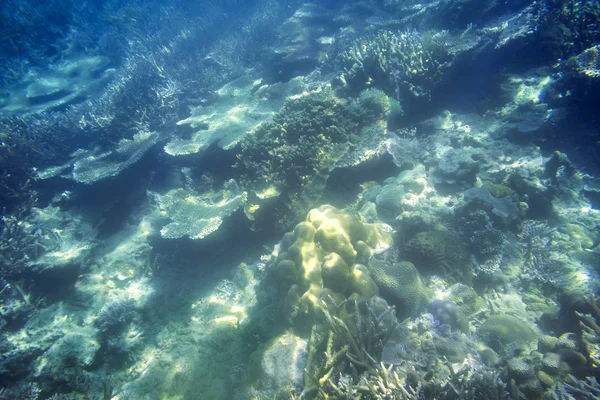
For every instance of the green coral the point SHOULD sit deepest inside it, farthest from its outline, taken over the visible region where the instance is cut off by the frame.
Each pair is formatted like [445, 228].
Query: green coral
[400, 284]
[318, 262]
[282, 152]
[285, 162]
[375, 103]
[505, 333]
[440, 253]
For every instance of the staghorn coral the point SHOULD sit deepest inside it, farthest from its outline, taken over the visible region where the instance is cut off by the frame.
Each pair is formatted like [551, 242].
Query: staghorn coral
[19, 244]
[590, 335]
[573, 388]
[344, 353]
[20, 149]
[398, 63]
[470, 383]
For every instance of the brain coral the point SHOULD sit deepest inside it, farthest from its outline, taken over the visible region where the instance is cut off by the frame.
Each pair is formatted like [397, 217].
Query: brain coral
[400, 284]
[440, 253]
[321, 261]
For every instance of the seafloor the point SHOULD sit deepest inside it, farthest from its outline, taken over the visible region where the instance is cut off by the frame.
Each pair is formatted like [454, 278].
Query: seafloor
[284, 200]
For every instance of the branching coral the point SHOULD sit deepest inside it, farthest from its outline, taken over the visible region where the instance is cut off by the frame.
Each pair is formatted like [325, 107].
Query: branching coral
[19, 244]
[344, 363]
[397, 63]
[29, 239]
[468, 383]
[14, 303]
[20, 149]
[575, 389]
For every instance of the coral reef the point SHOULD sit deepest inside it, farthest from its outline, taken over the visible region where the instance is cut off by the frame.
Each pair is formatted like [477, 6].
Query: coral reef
[343, 346]
[462, 125]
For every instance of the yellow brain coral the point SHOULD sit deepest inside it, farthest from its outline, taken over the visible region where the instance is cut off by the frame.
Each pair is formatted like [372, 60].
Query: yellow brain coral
[321, 260]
